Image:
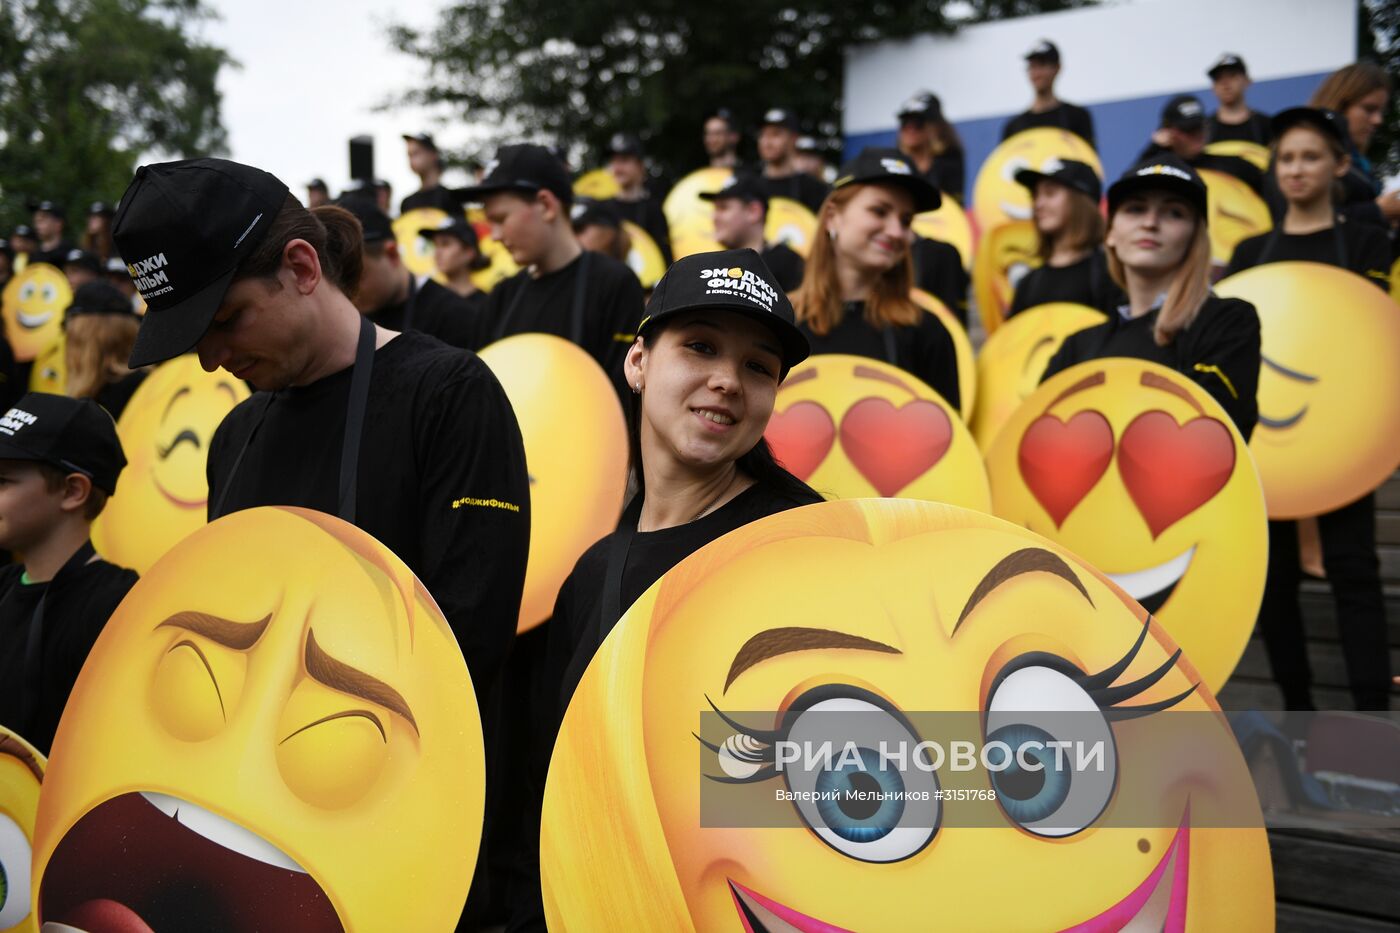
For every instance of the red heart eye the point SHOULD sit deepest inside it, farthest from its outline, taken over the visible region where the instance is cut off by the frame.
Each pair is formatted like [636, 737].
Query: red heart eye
[1061, 461]
[1171, 470]
[892, 447]
[801, 437]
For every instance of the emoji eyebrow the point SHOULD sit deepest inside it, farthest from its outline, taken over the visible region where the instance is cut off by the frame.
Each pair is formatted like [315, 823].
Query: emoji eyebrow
[237, 635]
[1154, 381]
[340, 676]
[1088, 382]
[1285, 371]
[24, 756]
[797, 378]
[1036, 348]
[184, 390]
[866, 372]
[233, 396]
[1026, 560]
[778, 641]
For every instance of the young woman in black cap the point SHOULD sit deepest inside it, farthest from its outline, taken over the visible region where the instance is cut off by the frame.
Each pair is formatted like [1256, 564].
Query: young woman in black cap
[1310, 155]
[1159, 253]
[457, 255]
[932, 144]
[1360, 93]
[855, 293]
[99, 330]
[1065, 206]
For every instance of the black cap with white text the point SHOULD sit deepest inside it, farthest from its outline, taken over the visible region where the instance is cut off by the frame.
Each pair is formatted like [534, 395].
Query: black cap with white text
[74, 435]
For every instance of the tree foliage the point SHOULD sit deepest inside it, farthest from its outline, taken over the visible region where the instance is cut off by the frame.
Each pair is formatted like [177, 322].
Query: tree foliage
[88, 86]
[574, 73]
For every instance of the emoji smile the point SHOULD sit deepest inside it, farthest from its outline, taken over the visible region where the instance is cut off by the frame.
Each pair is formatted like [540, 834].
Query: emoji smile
[33, 321]
[1153, 586]
[1016, 211]
[177, 501]
[149, 861]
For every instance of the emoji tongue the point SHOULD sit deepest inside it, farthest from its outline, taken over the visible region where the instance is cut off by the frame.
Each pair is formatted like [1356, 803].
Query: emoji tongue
[100, 915]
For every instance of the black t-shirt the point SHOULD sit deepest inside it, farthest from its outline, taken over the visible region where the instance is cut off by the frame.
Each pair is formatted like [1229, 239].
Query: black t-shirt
[925, 349]
[1219, 352]
[1356, 246]
[1062, 116]
[441, 482]
[436, 196]
[799, 187]
[434, 309]
[646, 213]
[612, 309]
[1085, 282]
[950, 173]
[54, 257]
[74, 615]
[786, 265]
[1253, 130]
[11, 386]
[114, 395]
[938, 270]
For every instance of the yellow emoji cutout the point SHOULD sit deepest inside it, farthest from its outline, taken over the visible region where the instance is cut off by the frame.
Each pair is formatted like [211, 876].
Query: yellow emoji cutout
[644, 258]
[165, 431]
[415, 250]
[683, 204]
[575, 450]
[996, 196]
[21, 776]
[1253, 153]
[1004, 256]
[1014, 358]
[275, 730]
[1395, 280]
[597, 185]
[848, 622]
[851, 426]
[33, 305]
[962, 346]
[50, 372]
[1140, 472]
[1329, 389]
[1236, 214]
[792, 223]
[950, 224]
[695, 235]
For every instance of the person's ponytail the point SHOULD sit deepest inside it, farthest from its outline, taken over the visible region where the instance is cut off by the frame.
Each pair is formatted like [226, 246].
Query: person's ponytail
[342, 256]
[332, 231]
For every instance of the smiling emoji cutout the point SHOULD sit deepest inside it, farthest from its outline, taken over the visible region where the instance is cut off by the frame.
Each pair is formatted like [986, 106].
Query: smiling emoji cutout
[790, 222]
[21, 776]
[33, 305]
[165, 430]
[851, 427]
[1014, 358]
[275, 731]
[1329, 387]
[1005, 255]
[833, 614]
[644, 256]
[1236, 214]
[997, 198]
[1139, 471]
[575, 450]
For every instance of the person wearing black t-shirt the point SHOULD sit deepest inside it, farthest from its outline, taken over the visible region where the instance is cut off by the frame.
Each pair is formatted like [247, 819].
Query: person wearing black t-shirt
[587, 298]
[1042, 68]
[1234, 120]
[741, 213]
[1183, 134]
[1159, 253]
[457, 255]
[634, 200]
[855, 294]
[59, 461]
[52, 246]
[777, 147]
[1310, 154]
[426, 162]
[1065, 209]
[932, 144]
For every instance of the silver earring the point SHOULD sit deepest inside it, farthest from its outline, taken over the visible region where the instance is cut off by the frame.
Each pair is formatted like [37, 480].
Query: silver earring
[832, 234]
[637, 389]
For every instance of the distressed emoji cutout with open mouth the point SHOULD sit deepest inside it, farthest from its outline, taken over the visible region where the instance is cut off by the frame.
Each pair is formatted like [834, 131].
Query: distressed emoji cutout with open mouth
[1139, 471]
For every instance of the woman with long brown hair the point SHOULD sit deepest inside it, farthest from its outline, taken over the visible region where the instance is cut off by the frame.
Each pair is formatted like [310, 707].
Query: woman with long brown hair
[97, 238]
[99, 331]
[855, 292]
[1159, 253]
[1360, 94]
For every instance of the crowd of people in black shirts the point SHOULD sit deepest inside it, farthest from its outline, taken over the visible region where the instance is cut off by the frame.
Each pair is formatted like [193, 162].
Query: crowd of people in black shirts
[366, 406]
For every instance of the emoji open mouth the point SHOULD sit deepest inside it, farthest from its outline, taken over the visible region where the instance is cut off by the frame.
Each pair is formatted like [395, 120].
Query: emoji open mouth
[1016, 211]
[33, 321]
[1153, 586]
[143, 862]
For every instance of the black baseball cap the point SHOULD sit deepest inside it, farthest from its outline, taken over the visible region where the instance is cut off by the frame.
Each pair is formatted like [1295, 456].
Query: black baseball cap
[83, 260]
[98, 297]
[74, 435]
[375, 223]
[1227, 62]
[592, 213]
[735, 280]
[423, 139]
[23, 230]
[745, 186]
[625, 144]
[924, 106]
[48, 207]
[727, 115]
[1184, 112]
[1078, 176]
[183, 228]
[780, 116]
[317, 184]
[525, 168]
[114, 266]
[1328, 121]
[1160, 173]
[889, 167]
[100, 209]
[454, 226]
[1044, 50]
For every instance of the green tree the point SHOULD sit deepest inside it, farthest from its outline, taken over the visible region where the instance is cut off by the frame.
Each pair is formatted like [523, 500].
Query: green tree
[89, 86]
[574, 73]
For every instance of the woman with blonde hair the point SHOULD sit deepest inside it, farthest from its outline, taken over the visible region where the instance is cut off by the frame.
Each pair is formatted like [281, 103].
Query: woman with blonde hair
[100, 328]
[1159, 253]
[1360, 94]
[855, 292]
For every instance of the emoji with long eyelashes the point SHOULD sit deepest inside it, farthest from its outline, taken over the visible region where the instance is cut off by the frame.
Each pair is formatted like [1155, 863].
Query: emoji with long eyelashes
[876, 614]
[575, 449]
[1140, 472]
[1004, 256]
[962, 347]
[33, 305]
[997, 198]
[1236, 213]
[1014, 358]
[852, 427]
[1329, 387]
[21, 776]
[275, 731]
[165, 429]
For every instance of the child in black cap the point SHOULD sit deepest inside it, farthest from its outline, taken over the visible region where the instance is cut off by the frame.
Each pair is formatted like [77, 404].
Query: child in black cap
[59, 462]
[457, 255]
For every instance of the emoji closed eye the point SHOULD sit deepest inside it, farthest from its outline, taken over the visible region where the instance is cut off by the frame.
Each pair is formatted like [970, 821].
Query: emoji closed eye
[184, 437]
[331, 761]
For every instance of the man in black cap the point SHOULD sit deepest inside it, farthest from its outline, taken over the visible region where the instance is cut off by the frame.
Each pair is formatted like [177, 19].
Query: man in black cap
[49, 224]
[598, 226]
[721, 140]
[1183, 134]
[317, 193]
[426, 162]
[1229, 79]
[391, 296]
[1042, 68]
[81, 267]
[940, 164]
[59, 462]
[777, 147]
[587, 298]
[634, 200]
[23, 241]
[457, 255]
[741, 215]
